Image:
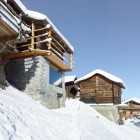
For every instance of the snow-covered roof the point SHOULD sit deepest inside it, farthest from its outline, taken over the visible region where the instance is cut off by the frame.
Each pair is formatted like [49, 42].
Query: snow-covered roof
[40, 16]
[67, 79]
[21, 6]
[132, 99]
[70, 78]
[103, 73]
[8, 18]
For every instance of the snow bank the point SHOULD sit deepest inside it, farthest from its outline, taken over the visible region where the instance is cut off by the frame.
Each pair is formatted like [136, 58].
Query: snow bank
[22, 118]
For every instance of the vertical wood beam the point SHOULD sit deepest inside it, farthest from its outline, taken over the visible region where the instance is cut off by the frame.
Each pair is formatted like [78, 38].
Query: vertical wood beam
[33, 34]
[97, 89]
[63, 85]
[113, 96]
[49, 43]
[71, 61]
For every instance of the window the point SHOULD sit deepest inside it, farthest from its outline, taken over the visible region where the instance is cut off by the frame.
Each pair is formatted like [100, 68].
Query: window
[55, 77]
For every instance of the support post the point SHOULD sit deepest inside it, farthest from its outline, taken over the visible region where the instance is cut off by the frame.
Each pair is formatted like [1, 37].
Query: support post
[49, 43]
[97, 90]
[33, 35]
[63, 80]
[63, 86]
[113, 96]
[71, 61]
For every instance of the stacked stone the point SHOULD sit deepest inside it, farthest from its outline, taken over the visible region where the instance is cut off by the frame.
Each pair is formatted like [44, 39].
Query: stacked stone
[2, 76]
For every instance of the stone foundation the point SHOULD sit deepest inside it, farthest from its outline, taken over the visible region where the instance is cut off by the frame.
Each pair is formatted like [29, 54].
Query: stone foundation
[108, 111]
[31, 75]
[2, 76]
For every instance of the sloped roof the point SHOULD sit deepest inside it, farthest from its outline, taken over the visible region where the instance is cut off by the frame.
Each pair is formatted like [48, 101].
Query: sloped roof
[103, 73]
[67, 79]
[20, 5]
[132, 99]
[39, 16]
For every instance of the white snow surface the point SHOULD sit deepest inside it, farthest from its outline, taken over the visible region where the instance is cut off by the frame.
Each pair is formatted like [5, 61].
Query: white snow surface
[66, 79]
[22, 118]
[135, 99]
[103, 73]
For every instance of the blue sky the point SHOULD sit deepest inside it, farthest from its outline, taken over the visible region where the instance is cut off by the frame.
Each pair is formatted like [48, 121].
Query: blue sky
[104, 33]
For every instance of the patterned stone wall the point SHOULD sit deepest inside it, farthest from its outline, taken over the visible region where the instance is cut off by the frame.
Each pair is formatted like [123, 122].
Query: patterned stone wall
[2, 76]
[31, 75]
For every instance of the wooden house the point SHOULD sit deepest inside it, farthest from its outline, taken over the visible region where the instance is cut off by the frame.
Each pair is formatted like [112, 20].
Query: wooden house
[35, 50]
[131, 108]
[100, 87]
[70, 87]
[31, 33]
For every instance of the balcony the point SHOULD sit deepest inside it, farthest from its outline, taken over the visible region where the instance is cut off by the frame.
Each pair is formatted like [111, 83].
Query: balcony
[8, 24]
[32, 34]
[45, 41]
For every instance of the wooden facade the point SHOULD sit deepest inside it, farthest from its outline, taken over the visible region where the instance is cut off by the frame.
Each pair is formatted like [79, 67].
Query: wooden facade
[131, 110]
[70, 87]
[71, 90]
[41, 39]
[99, 89]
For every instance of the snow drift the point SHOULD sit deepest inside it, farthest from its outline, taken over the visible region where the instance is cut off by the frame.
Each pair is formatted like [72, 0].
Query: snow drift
[22, 118]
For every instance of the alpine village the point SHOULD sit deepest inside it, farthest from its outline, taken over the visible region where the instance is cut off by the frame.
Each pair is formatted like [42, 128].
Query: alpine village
[35, 57]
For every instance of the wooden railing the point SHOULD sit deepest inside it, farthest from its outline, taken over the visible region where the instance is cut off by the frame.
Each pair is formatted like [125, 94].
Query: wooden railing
[46, 39]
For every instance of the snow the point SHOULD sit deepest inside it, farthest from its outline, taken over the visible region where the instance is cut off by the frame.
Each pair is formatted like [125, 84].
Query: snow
[132, 99]
[21, 6]
[40, 16]
[103, 73]
[5, 15]
[70, 78]
[66, 79]
[22, 118]
[133, 123]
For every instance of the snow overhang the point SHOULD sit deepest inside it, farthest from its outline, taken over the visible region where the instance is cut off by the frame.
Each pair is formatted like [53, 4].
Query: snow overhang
[41, 17]
[19, 5]
[103, 73]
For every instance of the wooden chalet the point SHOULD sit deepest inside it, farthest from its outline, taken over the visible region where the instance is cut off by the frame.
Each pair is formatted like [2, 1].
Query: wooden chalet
[131, 108]
[100, 87]
[33, 53]
[70, 87]
[25, 33]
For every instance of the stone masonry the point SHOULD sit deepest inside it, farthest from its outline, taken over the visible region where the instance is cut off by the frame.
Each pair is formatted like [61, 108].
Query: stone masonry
[31, 75]
[108, 111]
[2, 76]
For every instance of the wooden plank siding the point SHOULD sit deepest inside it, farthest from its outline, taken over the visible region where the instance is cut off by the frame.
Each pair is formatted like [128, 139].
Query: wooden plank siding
[131, 110]
[99, 89]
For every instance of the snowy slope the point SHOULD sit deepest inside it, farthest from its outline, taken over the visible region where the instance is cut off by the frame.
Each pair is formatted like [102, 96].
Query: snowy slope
[21, 118]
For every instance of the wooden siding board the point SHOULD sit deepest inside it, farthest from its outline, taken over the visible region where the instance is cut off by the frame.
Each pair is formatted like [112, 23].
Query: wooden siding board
[100, 90]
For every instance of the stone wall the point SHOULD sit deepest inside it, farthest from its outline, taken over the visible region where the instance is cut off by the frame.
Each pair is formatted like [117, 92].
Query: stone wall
[31, 75]
[2, 76]
[108, 111]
